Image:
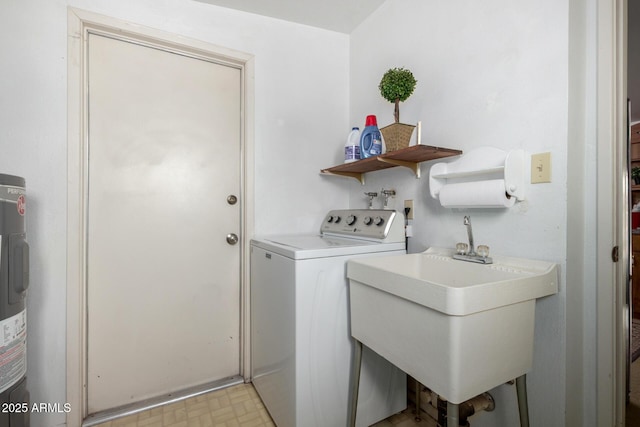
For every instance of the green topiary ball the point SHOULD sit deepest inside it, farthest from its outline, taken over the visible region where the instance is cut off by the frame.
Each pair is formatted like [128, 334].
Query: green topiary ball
[397, 84]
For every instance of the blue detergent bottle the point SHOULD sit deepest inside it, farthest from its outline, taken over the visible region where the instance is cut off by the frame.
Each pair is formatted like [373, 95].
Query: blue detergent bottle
[370, 140]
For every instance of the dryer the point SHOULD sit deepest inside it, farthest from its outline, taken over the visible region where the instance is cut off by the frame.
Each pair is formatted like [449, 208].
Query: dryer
[301, 343]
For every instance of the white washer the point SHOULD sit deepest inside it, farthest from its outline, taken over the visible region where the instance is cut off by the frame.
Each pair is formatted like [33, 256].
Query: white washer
[301, 344]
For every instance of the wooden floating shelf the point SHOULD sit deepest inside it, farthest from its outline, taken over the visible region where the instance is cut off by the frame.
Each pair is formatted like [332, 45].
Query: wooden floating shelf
[409, 157]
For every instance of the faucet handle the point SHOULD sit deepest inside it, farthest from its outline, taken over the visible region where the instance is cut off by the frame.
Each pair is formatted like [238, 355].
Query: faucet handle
[461, 248]
[483, 250]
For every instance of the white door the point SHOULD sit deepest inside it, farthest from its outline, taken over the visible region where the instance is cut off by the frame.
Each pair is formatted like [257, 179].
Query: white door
[163, 301]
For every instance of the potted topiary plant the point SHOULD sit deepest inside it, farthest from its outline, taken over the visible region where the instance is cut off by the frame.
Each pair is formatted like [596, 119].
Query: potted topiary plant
[396, 86]
[635, 175]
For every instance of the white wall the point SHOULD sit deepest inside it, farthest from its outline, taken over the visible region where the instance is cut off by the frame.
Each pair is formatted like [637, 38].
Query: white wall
[489, 73]
[301, 109]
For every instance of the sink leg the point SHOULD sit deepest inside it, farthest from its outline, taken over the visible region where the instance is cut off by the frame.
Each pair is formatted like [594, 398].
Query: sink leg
[417, 417]
[453, 415]
[355, 382]
[523, 407]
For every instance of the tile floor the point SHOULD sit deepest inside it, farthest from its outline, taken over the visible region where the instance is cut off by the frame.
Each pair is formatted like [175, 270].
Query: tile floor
[237, 406]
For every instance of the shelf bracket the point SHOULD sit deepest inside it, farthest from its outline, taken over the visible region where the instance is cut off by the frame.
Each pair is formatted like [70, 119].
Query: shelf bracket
[355, 175]
[415, 167]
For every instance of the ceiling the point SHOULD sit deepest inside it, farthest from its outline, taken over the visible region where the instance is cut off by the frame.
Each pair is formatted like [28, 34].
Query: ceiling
[336, 15]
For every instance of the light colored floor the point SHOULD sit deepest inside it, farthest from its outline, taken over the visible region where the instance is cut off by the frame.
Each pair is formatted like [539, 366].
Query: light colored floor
[237, 406]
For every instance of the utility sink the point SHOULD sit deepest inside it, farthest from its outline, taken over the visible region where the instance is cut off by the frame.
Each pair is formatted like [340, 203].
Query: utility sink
[460, 328]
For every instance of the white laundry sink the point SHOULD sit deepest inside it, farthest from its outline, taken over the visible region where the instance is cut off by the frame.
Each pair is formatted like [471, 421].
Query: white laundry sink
[460, 328]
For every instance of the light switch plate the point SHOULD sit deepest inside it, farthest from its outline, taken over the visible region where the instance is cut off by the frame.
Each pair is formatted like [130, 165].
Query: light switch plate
[540, 168]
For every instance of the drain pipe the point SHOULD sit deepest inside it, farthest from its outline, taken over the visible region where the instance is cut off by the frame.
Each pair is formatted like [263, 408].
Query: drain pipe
[454, 415]
[446, 413]
[482, 402]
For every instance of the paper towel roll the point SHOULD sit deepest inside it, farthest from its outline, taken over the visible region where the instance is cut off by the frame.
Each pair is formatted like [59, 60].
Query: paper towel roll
[477, 194]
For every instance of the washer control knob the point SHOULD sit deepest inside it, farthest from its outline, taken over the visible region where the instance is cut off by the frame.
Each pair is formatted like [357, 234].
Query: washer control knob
[336, 219]
[378, 221]
[351, 219]
[330, 218]
[367, 220]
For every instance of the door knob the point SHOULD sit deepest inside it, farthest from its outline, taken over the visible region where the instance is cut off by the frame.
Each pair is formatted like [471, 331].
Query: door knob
[232, 200]
[232, 238]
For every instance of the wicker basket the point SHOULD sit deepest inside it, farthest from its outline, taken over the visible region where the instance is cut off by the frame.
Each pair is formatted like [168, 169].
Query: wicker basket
[397, 136]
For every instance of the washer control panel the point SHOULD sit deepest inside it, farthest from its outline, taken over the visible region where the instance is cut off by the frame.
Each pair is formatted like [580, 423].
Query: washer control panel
[376, 224]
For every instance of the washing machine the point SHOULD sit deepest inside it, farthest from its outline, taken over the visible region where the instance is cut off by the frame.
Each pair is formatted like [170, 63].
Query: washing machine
[301, 345]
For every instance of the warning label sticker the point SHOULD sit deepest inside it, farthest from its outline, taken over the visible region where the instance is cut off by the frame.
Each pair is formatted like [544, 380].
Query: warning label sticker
[13, 349]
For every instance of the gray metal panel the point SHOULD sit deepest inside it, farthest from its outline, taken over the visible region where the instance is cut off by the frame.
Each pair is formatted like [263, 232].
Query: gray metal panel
[14, 250]
[18, 397]
[14, 280]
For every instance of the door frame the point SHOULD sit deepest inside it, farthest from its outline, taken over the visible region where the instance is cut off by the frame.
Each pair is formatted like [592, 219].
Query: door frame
[79, 24]
[612, 226]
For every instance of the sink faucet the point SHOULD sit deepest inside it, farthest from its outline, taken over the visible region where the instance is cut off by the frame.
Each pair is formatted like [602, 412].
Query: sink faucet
[471, 255]
[467, 222]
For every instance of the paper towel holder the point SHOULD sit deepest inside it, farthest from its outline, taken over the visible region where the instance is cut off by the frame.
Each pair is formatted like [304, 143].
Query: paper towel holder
[480, 164]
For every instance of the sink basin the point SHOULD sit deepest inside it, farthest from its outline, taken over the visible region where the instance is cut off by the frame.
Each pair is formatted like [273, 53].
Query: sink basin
[460, 328]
